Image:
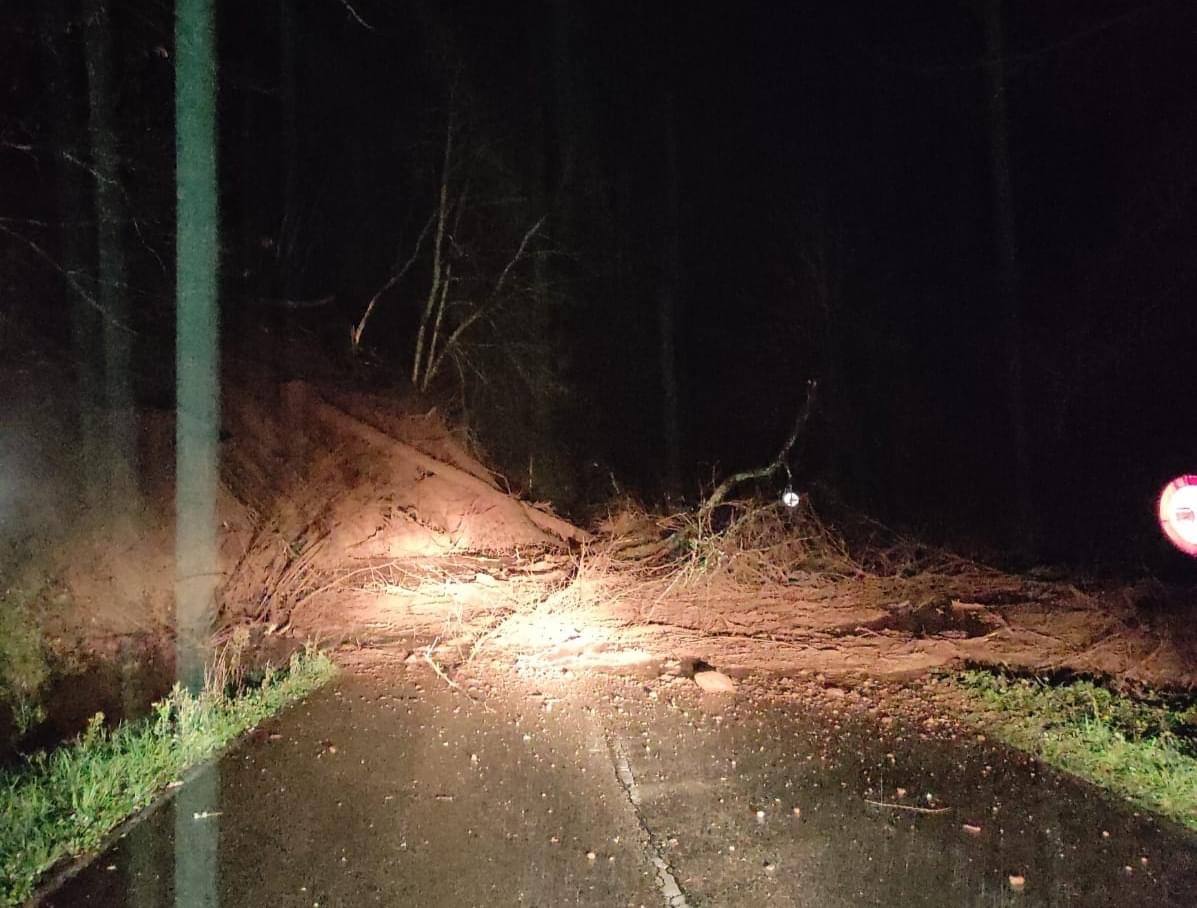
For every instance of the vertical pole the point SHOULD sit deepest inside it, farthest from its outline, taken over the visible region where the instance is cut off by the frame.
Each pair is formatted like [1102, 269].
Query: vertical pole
[197, 356]
[197, 421]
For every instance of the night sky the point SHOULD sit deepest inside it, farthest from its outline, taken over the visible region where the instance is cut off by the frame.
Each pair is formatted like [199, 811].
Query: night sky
[811, 184]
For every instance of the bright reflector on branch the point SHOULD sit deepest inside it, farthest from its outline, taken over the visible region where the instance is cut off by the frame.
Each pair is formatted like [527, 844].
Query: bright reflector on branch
[1178, 513]
[790, 498]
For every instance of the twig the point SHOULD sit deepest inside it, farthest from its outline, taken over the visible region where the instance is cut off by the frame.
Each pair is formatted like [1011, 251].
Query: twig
[440, 672]
[909, 807]
[453, 684]
[519, 253]
[356, 333]
[354, 13]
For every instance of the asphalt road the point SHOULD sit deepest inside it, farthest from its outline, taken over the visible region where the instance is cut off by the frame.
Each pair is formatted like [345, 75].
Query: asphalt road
[392, 788]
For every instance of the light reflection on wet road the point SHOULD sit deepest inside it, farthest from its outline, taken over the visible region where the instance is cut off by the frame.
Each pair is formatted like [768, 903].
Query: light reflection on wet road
[393, 789]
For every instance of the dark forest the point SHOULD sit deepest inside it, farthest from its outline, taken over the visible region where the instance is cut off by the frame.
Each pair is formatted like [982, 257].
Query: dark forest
[973, 226]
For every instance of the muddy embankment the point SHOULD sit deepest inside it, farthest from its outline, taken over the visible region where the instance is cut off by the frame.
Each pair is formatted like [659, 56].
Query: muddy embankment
[319, 490]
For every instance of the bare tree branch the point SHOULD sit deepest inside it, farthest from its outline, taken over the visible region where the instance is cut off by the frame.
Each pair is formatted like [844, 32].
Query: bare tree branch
[519, 253]
[459, 208]
[357, 18]
[72, 282]
[485, 308]
[356, 332]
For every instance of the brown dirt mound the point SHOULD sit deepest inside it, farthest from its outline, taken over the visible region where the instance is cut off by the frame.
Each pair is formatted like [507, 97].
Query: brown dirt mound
[362, 517]
[315, 488]
[336, 483]
[782, 592]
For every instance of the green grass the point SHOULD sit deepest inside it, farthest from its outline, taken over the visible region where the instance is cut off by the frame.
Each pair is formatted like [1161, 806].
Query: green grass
[24, 668]
[66, 802]
[1141, 750]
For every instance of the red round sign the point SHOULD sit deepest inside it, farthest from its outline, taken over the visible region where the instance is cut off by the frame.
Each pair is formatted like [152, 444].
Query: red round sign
[1178, 513]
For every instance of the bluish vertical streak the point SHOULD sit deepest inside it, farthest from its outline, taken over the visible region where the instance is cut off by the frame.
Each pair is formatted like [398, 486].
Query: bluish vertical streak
[197, 421]
[197, 356]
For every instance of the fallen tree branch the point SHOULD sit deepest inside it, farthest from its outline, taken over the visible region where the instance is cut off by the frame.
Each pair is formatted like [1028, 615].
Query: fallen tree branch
[652, 549]
[765, 472]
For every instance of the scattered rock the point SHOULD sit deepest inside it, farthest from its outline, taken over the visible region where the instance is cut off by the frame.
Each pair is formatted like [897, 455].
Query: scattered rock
[714, 682]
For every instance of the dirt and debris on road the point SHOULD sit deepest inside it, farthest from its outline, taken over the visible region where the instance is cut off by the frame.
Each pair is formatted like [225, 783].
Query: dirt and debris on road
[395, 529]
[526, 785]
[361, 519]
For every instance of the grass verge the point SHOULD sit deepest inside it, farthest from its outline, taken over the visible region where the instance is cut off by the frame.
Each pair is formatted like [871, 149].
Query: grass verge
[66, 802]
[24, 667]
[1144, 751]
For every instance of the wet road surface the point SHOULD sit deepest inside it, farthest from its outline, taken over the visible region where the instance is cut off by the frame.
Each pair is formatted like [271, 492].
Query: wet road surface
[391, 788]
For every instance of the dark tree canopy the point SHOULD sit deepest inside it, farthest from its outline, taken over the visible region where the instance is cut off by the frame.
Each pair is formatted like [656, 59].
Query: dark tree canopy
[731, 201]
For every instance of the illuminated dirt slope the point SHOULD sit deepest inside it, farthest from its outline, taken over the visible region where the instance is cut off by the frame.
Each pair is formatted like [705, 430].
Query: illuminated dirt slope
[333, 485]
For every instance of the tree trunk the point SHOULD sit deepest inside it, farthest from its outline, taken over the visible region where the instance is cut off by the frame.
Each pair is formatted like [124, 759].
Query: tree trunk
[668, 300]
[251, 200]
[287, 236]
[76, 252]
[549, 473]
[1008, 270]
[289, 152]
[120, 462]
